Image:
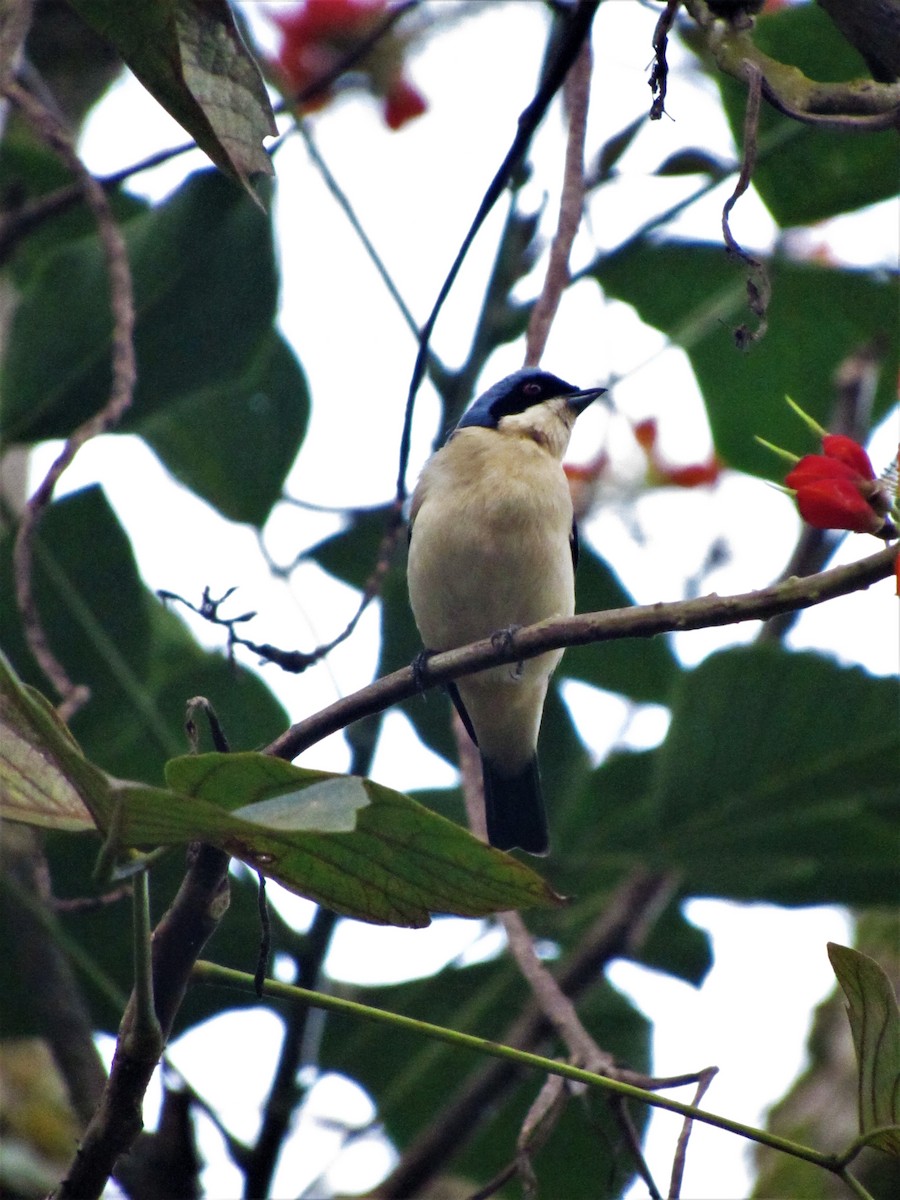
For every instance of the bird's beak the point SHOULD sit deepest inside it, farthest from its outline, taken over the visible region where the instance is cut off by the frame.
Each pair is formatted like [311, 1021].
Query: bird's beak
[578, 401]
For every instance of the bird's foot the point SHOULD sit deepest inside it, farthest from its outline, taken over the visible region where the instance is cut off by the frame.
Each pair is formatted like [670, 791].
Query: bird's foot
[420, 669]
[503, 639]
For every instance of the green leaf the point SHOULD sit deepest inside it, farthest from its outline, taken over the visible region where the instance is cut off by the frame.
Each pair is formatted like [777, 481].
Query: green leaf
[875, 1024]
[191, 57]
[692, 162]
[218, 393]
[35, 783]
[351, 554]
[613, 149]
[776, 782]
[694, 295]
[805, 174]
[234, 443]
[392, 861]
[30, 170]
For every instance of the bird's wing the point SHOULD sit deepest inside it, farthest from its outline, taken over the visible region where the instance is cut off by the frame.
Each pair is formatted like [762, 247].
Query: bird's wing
[573, 543]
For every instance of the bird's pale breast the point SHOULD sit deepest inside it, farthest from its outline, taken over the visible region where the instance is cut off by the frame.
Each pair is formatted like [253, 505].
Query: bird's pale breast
[490, 541]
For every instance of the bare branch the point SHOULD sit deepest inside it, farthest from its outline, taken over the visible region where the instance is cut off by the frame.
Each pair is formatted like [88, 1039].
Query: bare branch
[646, 620]
[576, 94]
[704, 1079]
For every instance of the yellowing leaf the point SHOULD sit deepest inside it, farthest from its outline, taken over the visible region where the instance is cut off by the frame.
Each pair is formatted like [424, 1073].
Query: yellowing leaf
[36, 752]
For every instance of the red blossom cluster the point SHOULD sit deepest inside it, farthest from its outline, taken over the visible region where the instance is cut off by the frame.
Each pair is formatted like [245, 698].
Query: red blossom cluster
[319, 35]
[586, 479]
[838, 489]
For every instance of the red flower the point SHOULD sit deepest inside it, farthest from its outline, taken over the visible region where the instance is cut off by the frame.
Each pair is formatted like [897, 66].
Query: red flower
[837, 489]
[319, 35]
[661, 473]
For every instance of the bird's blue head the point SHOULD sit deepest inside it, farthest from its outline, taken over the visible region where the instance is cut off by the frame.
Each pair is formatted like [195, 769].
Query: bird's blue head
[520, 391]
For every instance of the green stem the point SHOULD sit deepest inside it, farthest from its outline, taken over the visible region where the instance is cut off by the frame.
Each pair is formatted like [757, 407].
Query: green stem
[207, 972]
[145, 1031]
[854, 1185]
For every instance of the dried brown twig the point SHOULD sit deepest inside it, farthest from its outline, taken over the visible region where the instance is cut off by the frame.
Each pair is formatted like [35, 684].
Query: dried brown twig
[759, 287]
[124, 373]
[576, 94]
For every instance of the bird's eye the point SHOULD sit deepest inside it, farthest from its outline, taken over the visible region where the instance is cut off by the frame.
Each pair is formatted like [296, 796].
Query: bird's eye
[532, 389]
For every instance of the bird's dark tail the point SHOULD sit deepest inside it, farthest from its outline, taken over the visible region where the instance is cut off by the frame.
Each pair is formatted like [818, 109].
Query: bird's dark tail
[514, 809]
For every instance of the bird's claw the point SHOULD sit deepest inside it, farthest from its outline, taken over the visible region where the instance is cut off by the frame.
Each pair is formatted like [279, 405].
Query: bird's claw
[503, 639]
[420, 669]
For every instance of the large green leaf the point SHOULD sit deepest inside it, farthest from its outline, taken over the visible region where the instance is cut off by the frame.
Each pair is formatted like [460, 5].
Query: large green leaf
[30, 170]
[818, 316]
[352, 845]
[215, 384]
[777, 782]
[875, 1023]
[192, 59]
[425, 1076]
[806, 174]
[235, 443]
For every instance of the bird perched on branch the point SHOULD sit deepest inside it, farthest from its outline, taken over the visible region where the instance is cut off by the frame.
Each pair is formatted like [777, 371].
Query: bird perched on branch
[493, 547]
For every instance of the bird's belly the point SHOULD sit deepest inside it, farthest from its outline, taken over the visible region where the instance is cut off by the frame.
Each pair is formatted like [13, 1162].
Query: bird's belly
[468, 581]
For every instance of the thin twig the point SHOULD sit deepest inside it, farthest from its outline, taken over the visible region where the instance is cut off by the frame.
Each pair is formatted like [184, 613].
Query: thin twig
[554, 1004]
[259, 1162]
[704, 1080]
[124, 373]
[576, 95]
[298, 661]
[576, 29]
[343, 203]
[659, 76]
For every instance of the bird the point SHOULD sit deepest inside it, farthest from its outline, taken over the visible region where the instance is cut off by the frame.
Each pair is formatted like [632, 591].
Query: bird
[493, 547]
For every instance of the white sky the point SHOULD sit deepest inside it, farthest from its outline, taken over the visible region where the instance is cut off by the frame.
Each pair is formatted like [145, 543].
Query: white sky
[415, 193]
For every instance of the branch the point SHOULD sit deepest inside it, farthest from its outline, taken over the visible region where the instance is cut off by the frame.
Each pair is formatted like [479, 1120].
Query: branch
[179, 938]
[646, 620]
[857, 106]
